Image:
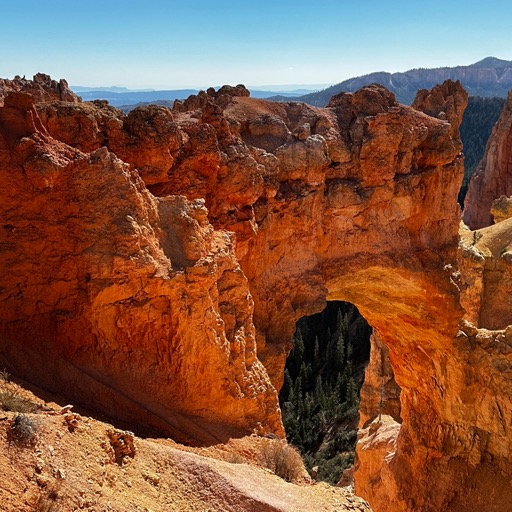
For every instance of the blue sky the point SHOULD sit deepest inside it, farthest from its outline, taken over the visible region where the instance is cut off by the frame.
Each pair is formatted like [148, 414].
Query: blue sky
[171, 44]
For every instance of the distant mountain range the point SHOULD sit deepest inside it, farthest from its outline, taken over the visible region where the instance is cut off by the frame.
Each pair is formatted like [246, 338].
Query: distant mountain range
[488, 77]
[122, 97]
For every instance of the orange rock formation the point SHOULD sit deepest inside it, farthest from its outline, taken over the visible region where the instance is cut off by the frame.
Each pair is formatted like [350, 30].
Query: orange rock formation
[155, 265]
[124, 300]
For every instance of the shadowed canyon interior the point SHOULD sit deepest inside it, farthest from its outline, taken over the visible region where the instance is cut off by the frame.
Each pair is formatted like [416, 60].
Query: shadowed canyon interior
[319, 398]
[155, 264]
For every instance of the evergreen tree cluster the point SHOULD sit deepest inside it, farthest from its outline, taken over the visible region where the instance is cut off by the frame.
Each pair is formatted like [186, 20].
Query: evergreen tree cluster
[479, 118]
[320, 394]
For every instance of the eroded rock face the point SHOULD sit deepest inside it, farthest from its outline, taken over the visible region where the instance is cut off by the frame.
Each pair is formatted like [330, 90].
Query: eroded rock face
[501, 209]
[114, 296]
[492, 178]
[380, 394]
[486, 264]
[458, 445]
[41, 88]
[445, 101]
[155, 265]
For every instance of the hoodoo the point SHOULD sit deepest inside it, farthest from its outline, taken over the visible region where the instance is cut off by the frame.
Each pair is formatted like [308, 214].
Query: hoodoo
[154, 265]
[492, 178]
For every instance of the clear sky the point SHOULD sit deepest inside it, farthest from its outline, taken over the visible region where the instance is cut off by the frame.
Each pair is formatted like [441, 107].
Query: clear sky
[198, 43]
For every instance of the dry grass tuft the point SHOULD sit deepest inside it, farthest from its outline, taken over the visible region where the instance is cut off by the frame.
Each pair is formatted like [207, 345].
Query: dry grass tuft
[24, 430]
[282, 459]
[235, 458]
[47, 500]
[10, 400]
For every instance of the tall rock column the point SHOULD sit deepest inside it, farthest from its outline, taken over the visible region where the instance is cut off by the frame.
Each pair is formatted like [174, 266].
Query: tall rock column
[492, 178]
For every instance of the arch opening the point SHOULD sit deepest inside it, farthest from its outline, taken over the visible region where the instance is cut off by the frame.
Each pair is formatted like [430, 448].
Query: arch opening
[320, 396]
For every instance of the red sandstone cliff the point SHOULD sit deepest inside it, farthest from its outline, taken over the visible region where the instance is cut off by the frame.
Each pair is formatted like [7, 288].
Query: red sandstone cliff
[41, 88]
[492, 178]
[122, 299]
[154, 266]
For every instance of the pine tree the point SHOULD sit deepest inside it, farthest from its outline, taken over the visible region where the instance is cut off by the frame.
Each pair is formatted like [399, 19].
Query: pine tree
[287, 386]
[340, 389]
[317, 360]
[340, 351]
[305, 374]
[339, 320]
[350, 349]
[291, 395]
[298, 396]
[351, 394]
[346, 322]
[319, 392]
[298, 349]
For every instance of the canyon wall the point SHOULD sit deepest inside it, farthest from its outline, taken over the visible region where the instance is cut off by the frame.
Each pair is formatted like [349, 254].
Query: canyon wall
[154, 266]
[122, 301]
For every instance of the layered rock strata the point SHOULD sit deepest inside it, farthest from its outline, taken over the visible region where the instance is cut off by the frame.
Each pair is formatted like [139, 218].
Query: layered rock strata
[501, 208]
[154, 266]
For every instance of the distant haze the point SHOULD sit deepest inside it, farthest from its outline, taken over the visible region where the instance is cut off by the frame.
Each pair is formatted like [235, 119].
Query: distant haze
[289, 87]
[123, 97]
[275, 88]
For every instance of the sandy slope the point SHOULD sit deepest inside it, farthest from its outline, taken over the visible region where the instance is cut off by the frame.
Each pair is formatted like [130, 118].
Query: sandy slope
[70, 469]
